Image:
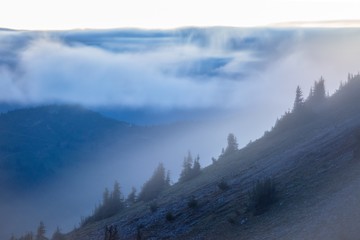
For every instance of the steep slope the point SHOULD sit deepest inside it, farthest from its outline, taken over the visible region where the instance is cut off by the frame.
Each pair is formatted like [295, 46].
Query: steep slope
[313, 157]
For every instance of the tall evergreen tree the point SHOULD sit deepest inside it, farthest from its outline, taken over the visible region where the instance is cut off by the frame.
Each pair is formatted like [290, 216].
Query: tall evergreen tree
[157, 183]
[106, 196]
[319, 90]
[116, 194]
[187, 168]
[167, 179]
[196, 168]
[311, 95]
[299, 100]
[40, 234]
[116, 200]
[112, 204]
[232, 144]
[191, 168]
[131, 199]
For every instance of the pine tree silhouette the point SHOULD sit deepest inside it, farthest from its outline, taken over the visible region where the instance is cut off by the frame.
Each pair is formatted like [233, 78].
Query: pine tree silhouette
[299, 100]
[154, 185]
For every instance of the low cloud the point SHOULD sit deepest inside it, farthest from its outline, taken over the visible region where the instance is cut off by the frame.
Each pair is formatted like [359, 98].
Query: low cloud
[191, 69]
[181, 69]
[51, 71]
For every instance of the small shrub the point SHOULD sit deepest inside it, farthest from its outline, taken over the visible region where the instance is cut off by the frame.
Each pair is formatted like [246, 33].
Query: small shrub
[153, 207]
[192, 203]
[262, 196]
[169, 217]
[222, 185]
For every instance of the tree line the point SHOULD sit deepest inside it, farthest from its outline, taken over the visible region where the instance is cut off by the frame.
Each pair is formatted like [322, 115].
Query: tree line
[40, 234]
[114, 202]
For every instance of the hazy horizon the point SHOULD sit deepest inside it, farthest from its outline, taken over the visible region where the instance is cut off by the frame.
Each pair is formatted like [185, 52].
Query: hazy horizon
[160, 14]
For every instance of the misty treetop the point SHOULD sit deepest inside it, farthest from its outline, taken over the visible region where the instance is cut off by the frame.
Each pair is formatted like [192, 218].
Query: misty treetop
[232, 144]
[191, 168]
[231, 148]
[132, 197]
[40, 234]
[305, 109]
[316, 96]
[159, 181]
[112, 203]
[317, 92]
[299, 99]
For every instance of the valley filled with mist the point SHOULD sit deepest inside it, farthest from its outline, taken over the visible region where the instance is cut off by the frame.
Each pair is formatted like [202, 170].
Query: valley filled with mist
[175, 134]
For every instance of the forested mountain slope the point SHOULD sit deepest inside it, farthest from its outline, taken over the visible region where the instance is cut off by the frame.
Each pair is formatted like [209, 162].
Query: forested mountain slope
[311, 159]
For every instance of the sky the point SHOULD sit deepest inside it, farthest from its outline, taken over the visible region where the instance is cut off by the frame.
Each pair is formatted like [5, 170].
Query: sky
[160, 14]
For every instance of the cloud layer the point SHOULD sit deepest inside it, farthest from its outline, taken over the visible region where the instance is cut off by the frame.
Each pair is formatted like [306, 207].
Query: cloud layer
[187, 68]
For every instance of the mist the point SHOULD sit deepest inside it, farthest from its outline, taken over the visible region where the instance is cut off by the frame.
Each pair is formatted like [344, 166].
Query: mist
[191, 69]
[225, 79]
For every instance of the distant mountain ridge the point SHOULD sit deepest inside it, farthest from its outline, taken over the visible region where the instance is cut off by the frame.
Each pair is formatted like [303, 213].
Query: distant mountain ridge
[36, 142]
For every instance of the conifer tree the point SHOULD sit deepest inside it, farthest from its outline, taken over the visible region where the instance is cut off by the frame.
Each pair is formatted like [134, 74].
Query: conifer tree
[154, 185]
[131, 199]
[106, 196]
[196, 168]
[191, 168]
[232, 144]
[187, 168]
[116, 194]
[167, 179]
[40, 234]
[319, 90]
[299, 100]
[116, 200]
[311, 95]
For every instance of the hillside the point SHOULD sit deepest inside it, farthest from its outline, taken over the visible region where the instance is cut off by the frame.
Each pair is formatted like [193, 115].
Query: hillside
[312, 155]
[48, 153]
[37, 142]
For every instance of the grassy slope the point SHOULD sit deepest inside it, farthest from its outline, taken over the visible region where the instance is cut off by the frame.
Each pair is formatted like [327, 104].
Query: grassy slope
[314, 162]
